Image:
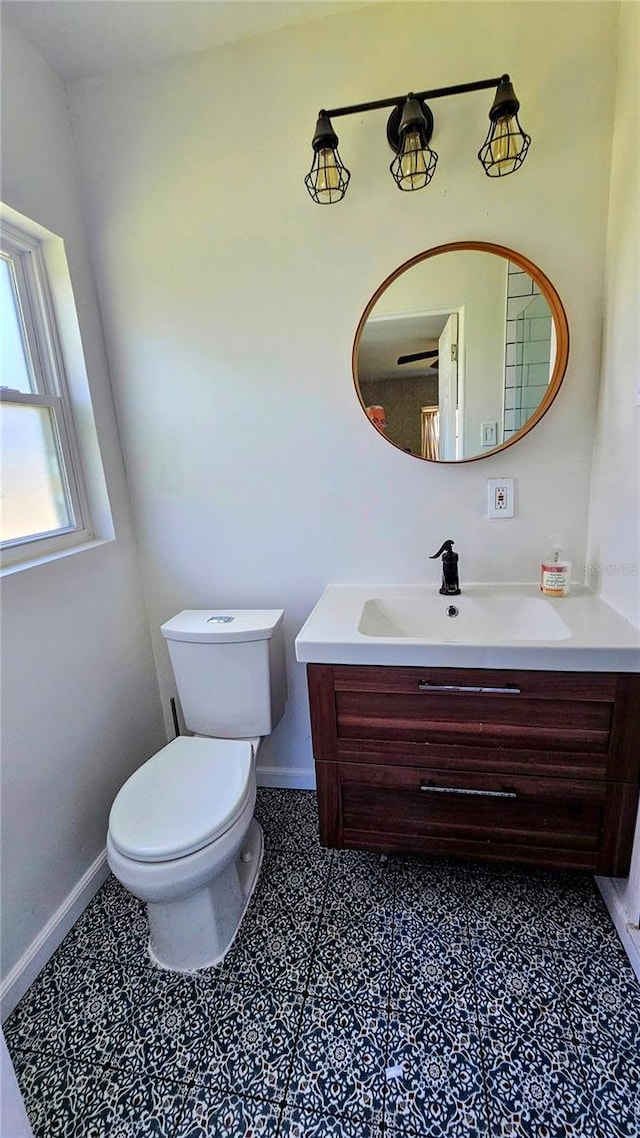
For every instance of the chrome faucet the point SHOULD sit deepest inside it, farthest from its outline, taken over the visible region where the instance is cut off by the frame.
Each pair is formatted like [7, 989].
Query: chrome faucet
[450, 586]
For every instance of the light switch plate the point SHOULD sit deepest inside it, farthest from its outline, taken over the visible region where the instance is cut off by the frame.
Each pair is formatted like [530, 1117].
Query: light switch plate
[489, 434]
[500, 497]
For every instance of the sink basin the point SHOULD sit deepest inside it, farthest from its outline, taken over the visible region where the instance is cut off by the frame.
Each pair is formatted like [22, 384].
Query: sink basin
[497, 626]
[463, 619]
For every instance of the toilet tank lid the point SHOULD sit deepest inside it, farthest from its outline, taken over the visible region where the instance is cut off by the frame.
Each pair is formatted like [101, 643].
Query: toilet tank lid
[215, 625]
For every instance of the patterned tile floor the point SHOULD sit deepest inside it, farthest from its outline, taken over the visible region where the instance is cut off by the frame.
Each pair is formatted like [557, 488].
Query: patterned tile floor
[362, 998]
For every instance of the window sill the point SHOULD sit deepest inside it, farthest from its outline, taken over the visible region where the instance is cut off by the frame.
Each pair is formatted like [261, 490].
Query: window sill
[70, 551]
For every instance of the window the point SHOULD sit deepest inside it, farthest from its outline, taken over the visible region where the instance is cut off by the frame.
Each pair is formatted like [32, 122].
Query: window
[44, 501]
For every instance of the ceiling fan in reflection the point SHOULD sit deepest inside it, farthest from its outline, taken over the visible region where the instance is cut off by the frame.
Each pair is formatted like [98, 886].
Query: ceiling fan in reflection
[416, 356]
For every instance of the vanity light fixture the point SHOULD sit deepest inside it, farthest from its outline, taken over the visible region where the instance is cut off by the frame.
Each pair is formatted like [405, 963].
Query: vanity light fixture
[506, 145]
[327, 179]
[409, 132]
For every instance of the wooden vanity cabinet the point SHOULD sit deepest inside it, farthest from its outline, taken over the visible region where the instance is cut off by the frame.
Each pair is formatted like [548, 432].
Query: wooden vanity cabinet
[539, 768]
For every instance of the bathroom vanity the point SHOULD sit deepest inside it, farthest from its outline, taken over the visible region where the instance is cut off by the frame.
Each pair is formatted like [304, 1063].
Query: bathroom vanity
[532, 764]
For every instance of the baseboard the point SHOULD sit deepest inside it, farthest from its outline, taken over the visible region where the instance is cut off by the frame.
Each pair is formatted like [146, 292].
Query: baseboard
[629, 934]
[296, 779]
[40, 950]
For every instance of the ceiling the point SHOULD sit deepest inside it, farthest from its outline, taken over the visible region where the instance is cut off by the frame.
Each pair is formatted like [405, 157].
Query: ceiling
[84, 38]
[385, 338]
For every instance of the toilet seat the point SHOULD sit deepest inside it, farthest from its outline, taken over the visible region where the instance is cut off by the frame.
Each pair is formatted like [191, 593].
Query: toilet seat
[182, 799]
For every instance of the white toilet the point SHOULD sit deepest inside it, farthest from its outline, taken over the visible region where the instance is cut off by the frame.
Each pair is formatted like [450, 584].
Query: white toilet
[182, 836]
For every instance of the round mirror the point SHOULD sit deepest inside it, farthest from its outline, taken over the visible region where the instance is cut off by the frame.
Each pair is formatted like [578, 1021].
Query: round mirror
[460, 352]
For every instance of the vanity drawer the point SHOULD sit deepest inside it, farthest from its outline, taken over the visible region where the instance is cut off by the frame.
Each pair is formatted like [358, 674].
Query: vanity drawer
[488, 718]
[599, 686]
[548, 821]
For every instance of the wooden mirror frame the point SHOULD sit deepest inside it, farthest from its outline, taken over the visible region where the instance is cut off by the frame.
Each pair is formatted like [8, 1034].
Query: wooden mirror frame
[556, 308]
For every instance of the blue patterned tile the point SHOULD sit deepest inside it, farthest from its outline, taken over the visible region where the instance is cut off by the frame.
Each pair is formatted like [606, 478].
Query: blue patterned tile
[273, 947]
[129, 1105]
[603, 1001]
[432, 970]
[438, 1090]
[106, 936]
[352, 959]
[522, 989]
[339, 1061]
[289, 819]
[168, 1028]
[588, 941]
[433, 893]
[250, 1044]
[298, 880]
[113, 898]
[507, 907]
[55, 1092]
[613, 1074]
[75, 1100]
[360, 885]
[28, 1026]
[81, 1013]
[494, 927]
[536, 1085]
[301, 1124]
[210, 1116]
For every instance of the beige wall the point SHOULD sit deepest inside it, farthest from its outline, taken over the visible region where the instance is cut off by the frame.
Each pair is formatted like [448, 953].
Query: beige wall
[230, 302]
[614, 534]
[80, 705]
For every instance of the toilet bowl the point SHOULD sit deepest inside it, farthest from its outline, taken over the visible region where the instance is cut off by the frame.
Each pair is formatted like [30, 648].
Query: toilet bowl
[182, 838]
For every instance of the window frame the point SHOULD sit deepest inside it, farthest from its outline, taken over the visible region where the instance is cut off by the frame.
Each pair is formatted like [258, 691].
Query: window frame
[24, 250]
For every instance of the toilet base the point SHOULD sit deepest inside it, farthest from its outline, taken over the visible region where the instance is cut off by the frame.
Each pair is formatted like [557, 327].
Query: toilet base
[197, 931]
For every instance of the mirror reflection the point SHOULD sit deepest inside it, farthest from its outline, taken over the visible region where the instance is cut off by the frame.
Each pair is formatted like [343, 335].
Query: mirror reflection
[458, 353]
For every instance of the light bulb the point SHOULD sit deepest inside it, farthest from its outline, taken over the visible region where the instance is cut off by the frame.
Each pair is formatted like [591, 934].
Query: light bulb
[504, 146]
[328, 181]
[412, 164]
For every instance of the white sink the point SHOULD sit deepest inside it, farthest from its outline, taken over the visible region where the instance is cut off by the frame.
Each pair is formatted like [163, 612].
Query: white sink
[497, 626]
[462, 619]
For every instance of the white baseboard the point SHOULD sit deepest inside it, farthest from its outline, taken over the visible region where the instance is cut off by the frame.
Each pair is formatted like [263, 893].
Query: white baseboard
[40, 950]
[298, 779]
[629, 934]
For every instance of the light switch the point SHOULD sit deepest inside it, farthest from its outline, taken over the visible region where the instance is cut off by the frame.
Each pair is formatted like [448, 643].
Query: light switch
[488, 434]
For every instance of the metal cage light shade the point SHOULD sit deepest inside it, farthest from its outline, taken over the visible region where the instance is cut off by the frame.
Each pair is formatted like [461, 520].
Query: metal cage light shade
[409, 132]
[415, 163]
[506, 145]
[328, 177]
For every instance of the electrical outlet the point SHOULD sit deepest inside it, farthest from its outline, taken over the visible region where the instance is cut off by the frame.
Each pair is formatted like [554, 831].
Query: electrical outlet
[500, 497]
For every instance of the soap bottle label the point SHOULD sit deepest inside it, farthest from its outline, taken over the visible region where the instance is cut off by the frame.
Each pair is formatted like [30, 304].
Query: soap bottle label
[554, 580]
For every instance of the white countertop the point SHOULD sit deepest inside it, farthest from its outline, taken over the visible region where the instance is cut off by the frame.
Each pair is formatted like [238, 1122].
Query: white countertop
[599, 639]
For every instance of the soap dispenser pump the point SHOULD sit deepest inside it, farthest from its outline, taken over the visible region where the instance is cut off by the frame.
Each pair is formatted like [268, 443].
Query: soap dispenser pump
[450, 584]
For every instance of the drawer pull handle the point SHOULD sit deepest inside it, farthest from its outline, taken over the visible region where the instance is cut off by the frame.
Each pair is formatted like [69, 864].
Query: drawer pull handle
[426, 685]
[463, 790]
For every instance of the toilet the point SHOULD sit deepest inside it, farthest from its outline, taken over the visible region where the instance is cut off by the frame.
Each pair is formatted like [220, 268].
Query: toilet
[182, 836]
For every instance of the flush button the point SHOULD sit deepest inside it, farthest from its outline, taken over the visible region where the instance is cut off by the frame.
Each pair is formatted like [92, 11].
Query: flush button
[220, 619]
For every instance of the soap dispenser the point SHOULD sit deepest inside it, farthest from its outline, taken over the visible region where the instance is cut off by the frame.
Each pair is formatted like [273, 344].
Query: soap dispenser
[450, 584]
[555, 572]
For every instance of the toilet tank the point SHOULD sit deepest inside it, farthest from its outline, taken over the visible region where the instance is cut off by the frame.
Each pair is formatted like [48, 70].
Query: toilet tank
[229, 669]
